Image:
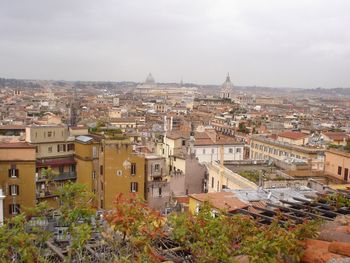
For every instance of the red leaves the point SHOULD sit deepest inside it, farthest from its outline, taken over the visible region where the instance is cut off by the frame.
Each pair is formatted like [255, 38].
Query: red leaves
[141, 225]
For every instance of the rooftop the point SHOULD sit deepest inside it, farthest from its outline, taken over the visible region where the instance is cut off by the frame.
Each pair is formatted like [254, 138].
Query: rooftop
[221, 200]
[293, 135]
[18, 145]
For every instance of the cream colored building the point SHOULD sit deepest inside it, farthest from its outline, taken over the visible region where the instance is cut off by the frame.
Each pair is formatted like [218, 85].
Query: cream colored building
[51, 141]
[337, 164]
[263, 148]
[220, 178]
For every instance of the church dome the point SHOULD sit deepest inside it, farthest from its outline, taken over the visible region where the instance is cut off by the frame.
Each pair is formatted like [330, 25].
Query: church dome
[227, 85]
[149, 79]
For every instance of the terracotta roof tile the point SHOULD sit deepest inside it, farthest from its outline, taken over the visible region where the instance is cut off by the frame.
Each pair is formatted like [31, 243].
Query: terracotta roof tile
[221, 200]
[293, 135]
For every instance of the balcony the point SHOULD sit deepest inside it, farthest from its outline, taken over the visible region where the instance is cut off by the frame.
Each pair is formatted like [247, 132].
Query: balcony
[60, 177]
[42, 194]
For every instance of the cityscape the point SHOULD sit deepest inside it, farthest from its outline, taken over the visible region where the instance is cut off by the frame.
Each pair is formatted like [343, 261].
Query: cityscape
[173, 170]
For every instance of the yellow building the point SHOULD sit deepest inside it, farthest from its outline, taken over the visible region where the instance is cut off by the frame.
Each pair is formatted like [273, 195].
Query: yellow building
[109, 167]
[337, 164]
[87, 158]
[17, 177]
[121, 171]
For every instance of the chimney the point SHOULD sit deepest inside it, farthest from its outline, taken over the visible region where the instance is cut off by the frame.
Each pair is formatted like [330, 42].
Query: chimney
[165, 123]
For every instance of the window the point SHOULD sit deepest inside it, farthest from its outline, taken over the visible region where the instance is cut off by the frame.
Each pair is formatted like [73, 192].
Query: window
[13, 172]
[238, 150]
[230, 150]
[212, 182]
[49, 149]
[346, 174]
[71, 147]
[133, 169]
[183, 142]
[93, 175]
[94, 152]
[134, 187]
[58, 148]
[339, 170]
[61, 169]
[14, 189]
[212, 151]
[101, 169]
[203, 151]
[160, 191]
[119, 172]
[49, 134]
[156, 167]
[64, 147]
[14, 209]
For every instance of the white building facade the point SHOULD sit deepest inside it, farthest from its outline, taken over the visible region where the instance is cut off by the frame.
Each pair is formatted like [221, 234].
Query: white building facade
[212, 152]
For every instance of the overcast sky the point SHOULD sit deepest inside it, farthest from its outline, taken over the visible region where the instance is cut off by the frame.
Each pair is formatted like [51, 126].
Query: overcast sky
[297, 43]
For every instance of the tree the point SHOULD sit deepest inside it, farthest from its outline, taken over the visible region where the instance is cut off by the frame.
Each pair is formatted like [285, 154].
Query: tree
[219, 237]
[135, 228]
[76, 212]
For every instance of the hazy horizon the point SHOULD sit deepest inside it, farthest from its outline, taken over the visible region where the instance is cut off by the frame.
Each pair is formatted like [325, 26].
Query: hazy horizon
[292, 44]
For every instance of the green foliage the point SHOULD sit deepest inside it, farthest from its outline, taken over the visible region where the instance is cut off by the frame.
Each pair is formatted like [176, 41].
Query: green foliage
[219, 238]
[251, 175]
[133, 230]
[16, 243]
[75, 203]
[242, 128]
[337, 200]
[138, 225]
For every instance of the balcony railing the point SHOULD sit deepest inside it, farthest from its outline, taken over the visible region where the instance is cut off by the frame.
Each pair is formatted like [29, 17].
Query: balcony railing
[60, 177]
[45, 194]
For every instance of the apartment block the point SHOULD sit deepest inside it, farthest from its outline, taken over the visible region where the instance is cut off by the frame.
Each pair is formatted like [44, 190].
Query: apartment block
[264, 148]
[109, 167]
[55, 163]
[17, 177]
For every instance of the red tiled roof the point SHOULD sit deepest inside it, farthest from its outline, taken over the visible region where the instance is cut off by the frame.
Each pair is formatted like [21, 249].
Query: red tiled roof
[221, 200]
[337, 136]
[182, 199]
[293, 135]
[333, 242]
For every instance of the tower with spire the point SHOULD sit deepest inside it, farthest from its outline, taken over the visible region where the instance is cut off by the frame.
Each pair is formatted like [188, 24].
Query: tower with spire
[226, 91]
